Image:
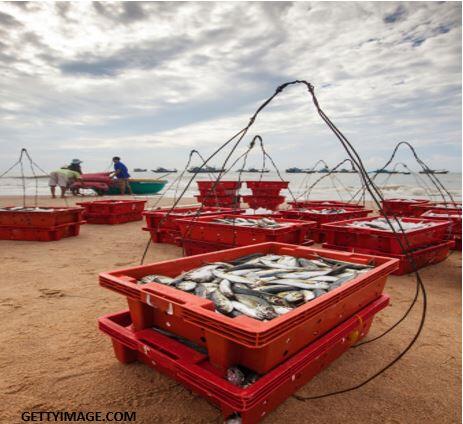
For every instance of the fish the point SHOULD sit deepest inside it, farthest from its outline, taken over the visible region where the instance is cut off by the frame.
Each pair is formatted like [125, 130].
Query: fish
[155, 278]
[232, 278]
[308, 295]
[225, 288]
[397, 224]
[293, 296]
[281, 310]
[275, 288]
[303, 284]
[202, 275]
[187, 286]
[222, 304]
[259, 312]
[250, 222]
[303, 275]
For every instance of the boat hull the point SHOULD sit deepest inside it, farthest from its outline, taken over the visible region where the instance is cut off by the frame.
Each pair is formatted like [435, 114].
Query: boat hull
[140, 187]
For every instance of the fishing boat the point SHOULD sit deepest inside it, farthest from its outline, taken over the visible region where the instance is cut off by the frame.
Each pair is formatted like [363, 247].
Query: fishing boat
[385, 171]
[324, 170]
[253, 170]
[295, 170]
[139, 170]
[140, 186]
[161, 170]
[204, 170]
[345, 171]
[434, 171]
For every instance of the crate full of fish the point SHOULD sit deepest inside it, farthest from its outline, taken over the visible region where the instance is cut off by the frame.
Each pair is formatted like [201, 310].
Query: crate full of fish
[266, 202]
[266, 188]
[113, 207]
[163, 226]
[375, 234]
[324, 203]
[401, 207]
[40, 216]
[443, 215]
[242, 395]
[253, 306]
[454, 207]
[235, 230]
[415, 259]
[323, 215]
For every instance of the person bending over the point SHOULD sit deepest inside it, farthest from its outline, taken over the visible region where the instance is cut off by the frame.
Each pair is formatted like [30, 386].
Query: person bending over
[63, 177]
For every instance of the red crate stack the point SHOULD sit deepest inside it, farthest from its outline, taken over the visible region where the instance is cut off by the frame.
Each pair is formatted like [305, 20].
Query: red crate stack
[265, 194]
[113, 212]
[162, 222]
[453, 215]
[207, 233]
[424, 246]
[40, 224]
[219, 193]
[195, 371]
[310, 214]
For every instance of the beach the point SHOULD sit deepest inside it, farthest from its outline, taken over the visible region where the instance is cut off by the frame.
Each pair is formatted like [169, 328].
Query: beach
[54, 358]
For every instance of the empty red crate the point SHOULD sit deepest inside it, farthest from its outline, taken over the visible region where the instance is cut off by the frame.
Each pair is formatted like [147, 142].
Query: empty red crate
[266, 202]
[224, 185]
[224, 201]
[320, 219]
[401, 207]
[107, 207]
[419, 209]
[341, 234]
[445, 215]
[324, 203]
[266, 188]
[422, 257]
[162, 223]
[40, 233]
[206, 229]
[41, 219]
[195, 371]
[257, 345]
[112, 218]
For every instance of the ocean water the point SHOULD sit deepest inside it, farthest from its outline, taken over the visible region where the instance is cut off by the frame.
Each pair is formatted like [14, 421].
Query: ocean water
[334, 187]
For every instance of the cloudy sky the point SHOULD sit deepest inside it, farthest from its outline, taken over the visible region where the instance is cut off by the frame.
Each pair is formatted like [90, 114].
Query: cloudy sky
[150, 81]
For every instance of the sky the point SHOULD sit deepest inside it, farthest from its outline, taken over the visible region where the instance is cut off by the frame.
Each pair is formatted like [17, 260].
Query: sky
[150, 81]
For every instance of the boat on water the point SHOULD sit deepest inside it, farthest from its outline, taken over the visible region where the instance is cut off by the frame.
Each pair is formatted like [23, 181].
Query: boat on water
[161, 170]
[139, 170]
[434, 171]
[345, 171]
[324, 170]
[253, 170]
[204, 170]
[385, 171]
[295, 170]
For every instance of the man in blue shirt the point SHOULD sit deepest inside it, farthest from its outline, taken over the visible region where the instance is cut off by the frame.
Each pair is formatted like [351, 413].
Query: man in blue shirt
[122, 175]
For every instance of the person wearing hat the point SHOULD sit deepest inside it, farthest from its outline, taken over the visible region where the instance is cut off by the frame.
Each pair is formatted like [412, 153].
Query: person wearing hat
[63, 177]
[75, 166]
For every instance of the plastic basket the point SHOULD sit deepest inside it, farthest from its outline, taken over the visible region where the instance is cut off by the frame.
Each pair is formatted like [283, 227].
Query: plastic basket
[37, 219]
[401, 207]
[111, 207]
[340, 234]
[419, 210]
[113, 218]
[422, 257]
[267, 202]
[445, 215]
[221, 185]
[194, 370]
[242, 340]
[217, 201]
[40, 233]
[206, 229]
[320, 219]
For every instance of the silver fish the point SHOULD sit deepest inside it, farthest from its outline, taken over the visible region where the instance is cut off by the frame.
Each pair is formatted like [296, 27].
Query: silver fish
[187, 285]
[201, 275]
[232, 278]
[308, 295]
[281, 310]
[225, 288]
[302, 284]
[222, 304]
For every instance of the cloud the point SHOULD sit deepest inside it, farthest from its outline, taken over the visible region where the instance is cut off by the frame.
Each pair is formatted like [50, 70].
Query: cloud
[166, 77]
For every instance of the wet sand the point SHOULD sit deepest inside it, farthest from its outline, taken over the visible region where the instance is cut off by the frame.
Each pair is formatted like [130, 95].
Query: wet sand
[54, 358]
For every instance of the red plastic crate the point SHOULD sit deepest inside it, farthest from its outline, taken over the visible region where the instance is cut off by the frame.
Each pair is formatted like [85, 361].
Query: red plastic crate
[221, 185]
[267, 202]
[450, 207]
[340, 234]
[206, 229]
[324, 203]
[401, 207]
[195, 371]
[217, 201]
[242, 340]
[40, 233]
[57, 216]
[445, 215]
[107, 207]
[162, 223]
[266, 188]
[422, 257]
[113, 218]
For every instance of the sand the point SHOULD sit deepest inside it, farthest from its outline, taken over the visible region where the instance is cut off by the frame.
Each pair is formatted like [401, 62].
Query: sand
[54, 358]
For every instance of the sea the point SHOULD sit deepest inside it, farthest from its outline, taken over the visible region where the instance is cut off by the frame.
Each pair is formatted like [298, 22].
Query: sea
[343, 187]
